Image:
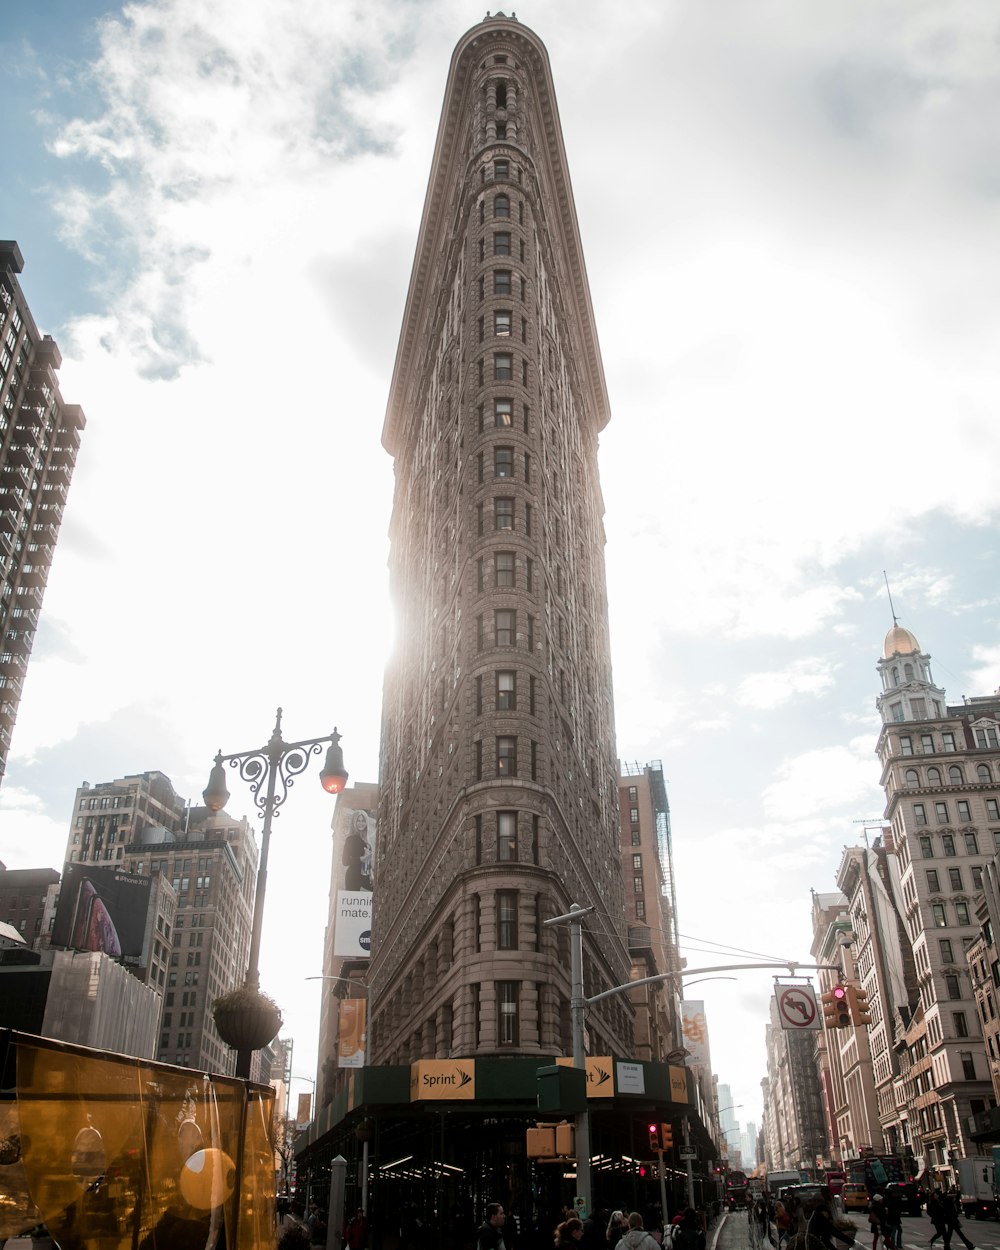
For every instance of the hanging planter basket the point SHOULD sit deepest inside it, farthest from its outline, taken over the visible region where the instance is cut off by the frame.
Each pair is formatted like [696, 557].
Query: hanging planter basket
[246, 1019]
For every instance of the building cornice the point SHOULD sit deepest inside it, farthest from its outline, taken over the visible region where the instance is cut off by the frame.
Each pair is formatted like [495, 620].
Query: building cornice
[448, 166]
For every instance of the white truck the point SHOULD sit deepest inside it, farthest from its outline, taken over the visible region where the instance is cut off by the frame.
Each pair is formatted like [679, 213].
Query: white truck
[777, 1181]
[975, 1178]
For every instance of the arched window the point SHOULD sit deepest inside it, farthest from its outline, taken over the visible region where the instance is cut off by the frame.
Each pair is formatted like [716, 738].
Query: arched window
[912, 778]
[983, 773]
[895, 676]
[501, 206]
[934, 776]
[955, 776]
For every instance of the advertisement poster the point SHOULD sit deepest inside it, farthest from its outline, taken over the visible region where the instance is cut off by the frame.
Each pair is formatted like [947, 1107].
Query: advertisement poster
[351, 1049]
[695, 1029]
[354, 855]
[101, 909]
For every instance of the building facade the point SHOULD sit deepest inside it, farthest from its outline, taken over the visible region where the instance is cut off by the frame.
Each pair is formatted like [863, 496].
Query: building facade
[23, 896]
[794, 1126]
[39, 438]
[650, 905]
[941, 775]
[498, 801]
[203, 871]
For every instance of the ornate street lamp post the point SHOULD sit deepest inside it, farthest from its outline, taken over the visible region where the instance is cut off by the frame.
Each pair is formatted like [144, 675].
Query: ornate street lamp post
[270, 772]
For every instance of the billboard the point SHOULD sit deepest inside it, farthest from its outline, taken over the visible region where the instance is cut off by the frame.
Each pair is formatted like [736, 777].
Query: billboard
[351, 1048]
[101, 909]
[354, 860]
[695, 1029]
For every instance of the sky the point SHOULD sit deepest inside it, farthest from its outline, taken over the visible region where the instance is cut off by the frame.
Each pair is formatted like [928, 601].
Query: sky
[789, 218]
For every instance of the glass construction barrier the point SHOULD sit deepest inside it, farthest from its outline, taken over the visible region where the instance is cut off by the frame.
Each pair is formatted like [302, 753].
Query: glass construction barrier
[116, 1153]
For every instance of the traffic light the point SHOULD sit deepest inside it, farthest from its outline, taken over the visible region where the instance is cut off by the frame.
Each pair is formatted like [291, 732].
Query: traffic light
[666, 1137]
[860, 1009]
[655, 1141]
[836, 1009]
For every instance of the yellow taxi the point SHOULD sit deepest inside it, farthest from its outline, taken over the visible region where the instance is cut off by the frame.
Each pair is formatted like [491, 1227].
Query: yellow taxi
[854, 1197]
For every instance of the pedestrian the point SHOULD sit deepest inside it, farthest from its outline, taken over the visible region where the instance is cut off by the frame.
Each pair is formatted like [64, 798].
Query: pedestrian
[356, 1231]
[939, 1218]
[690, 1234]
[953, 1217]
[821, 1226]
[490, 1236]
[617, 1228]
[892, 1229]
[636, 1238]
[569, 1234]
[876, 1218]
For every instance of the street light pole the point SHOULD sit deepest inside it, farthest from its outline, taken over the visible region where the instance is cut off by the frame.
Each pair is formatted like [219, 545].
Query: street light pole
[278, 761]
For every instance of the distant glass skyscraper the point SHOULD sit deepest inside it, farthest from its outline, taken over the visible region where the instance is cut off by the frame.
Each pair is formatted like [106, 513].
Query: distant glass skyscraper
[39, 438]
[498, 784]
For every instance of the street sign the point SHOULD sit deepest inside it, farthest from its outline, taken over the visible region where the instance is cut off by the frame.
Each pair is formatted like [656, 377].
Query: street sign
[797, 1007]
[688, 1154]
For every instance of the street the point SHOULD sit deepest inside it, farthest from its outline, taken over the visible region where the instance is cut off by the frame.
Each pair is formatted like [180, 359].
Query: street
[732, 1233]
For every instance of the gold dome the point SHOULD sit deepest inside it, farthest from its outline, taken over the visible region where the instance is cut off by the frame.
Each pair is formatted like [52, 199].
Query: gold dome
[899, 641]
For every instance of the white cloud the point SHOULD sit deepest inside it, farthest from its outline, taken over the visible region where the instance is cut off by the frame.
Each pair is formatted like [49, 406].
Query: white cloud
[841, 778]
[810, 677]
[984, 678]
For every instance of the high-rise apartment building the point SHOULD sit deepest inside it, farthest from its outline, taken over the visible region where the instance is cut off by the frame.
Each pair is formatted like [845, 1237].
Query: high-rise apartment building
[39, 438]
[650, 905]
[203, 871]
[941, 775]
[498, 802]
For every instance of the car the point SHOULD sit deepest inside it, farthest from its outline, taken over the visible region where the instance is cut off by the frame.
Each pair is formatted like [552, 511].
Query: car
[854, 1197]
[806, 1193]
[909, 1193]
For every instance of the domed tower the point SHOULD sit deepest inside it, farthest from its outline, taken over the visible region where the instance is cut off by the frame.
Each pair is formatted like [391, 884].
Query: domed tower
[908, 690]
[498, 777]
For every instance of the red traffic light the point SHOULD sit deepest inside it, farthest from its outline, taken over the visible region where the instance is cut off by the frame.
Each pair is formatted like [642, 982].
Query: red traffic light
[840, 991]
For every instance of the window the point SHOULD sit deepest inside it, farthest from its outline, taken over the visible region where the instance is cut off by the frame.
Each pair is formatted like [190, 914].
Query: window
[971, 844]
[480, 577]
[501, 206]
[527, 468]
[897, 711]
[503, 568]
[962, 913]
[986, 736]
[905, 744]
[503, 514]
[531, 633]
[506, 756]
[527, 519]
[529, 573]
[954, 990]
[507, 1029]
[479, 696]
[534, 761]
[640, 909]
[636, 837]
[955, 775]
[637, 863]
[911, 778]
[968, 1065]
[948, 740]
[503, 414]
[934, 776]
[524, 372]
[501, 323]
[933, 882]
[507, 835]
[501, 281]
[955, 878]
[501, 244]
[507, 920]
[503, 461]
[940, 919]
[961, 1024]
[503, 367]
[637, 883]
[946, 953]
[478, 758]
[926, 744]
[926, 848]
[506, 690]
[919, 814]
[977, 877]
[992, 809]
[964, 813]
[941, 813]
[948, 844]
[504, 627]
[480, 633]
[501, 169]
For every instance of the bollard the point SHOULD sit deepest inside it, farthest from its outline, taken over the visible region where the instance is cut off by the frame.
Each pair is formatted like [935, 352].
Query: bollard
[335, 1214]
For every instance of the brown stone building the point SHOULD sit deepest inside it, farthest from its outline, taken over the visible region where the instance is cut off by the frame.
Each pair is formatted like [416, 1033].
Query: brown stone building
[39, 438]
[498, 782]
